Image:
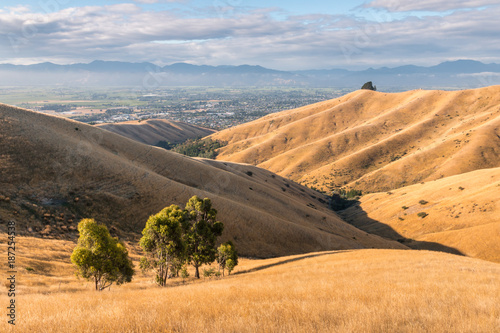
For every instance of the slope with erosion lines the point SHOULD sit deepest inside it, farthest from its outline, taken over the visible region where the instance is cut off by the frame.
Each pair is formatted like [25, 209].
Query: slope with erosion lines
[463, 212]
[55, 171]
[154, 130]
[374, 141]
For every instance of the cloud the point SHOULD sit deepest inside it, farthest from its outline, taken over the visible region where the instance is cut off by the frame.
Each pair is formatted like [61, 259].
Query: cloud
[428, 5]
[127, 32]
[19, 9]
[482, 74]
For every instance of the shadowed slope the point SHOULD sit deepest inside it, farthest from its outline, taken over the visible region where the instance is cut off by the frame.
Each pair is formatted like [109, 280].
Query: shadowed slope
[55, 171]
[374, 141]
[463, 212]
[154, 130]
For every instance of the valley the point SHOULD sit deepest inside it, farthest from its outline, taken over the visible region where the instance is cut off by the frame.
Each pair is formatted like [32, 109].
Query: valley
[84, 171]
[210, 107]
[418, 250]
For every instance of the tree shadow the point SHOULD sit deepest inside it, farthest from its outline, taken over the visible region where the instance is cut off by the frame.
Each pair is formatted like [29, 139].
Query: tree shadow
[286, 261]
[357, 217]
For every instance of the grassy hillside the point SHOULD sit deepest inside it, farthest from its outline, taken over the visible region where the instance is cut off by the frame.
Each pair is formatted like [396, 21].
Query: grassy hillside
[55, 171]
[345, 291]
[374, 141]
[463, 213]
[154, 130]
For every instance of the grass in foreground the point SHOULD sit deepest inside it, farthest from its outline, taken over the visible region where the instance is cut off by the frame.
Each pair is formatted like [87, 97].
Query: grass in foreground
[350, 291]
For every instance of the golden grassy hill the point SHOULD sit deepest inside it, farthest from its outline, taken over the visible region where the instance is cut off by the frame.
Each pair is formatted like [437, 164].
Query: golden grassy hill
[345, 291]
[374, 141]
[463, 214]
[154, 130]
[55, 171]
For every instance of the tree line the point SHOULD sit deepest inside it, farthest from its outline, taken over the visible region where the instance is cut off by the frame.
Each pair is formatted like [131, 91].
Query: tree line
[172, 239]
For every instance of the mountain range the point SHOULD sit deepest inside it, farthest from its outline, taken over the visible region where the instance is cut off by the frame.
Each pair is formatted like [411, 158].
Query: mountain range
[450, 74]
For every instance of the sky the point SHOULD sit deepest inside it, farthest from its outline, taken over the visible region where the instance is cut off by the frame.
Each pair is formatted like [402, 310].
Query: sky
[283, 35]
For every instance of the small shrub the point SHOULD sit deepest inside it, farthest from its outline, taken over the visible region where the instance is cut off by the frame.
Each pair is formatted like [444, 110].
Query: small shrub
[29, 269]
[250, 173]
[209, 272]
[423, 202]
[404, 208]
[422, 214]
[461, 188]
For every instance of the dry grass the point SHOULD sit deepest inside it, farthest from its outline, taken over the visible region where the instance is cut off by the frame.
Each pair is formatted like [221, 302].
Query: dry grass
[374, 141]
[122, 182]
[85, 172]
[351, 291]
[463, 213]
[380, 142]
[153, 130]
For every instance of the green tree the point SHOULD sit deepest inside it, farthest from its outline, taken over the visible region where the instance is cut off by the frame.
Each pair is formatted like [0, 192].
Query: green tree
[100, 257]
[162, 240]
[201, 236]
[177, 264]
[230, 264]
[227, 257]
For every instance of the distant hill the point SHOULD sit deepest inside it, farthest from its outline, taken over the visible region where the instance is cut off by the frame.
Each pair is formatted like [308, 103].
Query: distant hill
[446, 145]
[154, 130]
[144, 75]
[55, 171]
[374, 141]
[458, 74]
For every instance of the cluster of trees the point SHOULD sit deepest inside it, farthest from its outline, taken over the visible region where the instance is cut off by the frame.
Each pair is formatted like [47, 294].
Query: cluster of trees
[349, 194]
[342, 198]
[171, 240]
[206, 148]
[165, 144]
